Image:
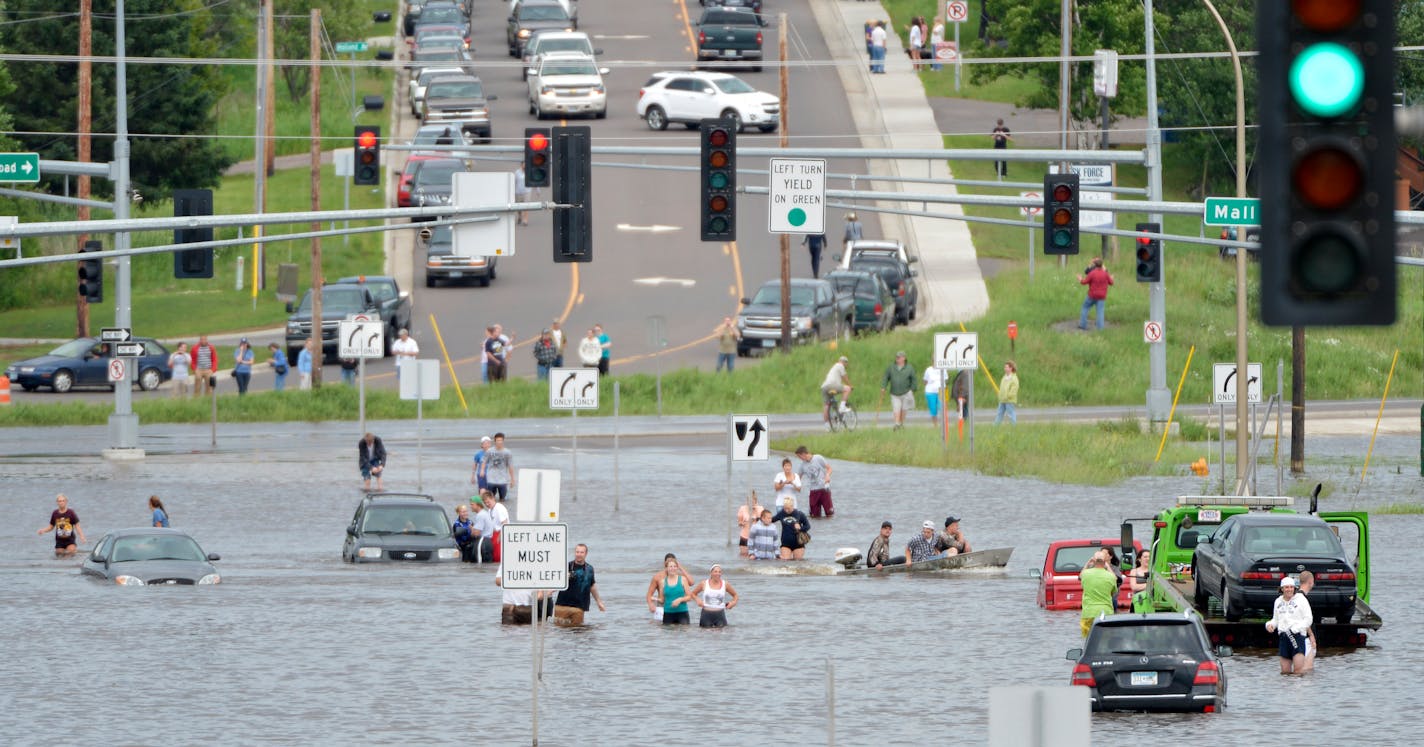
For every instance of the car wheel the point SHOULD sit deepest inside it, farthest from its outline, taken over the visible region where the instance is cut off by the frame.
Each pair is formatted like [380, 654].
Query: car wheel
[532, 109]
[149, 379]
[601, 115]
[736, 119]
[485, 281]
[767, 128]
[756, 68]
[690, 125]
[914, 310]
[62, 382]
[1228, 610]
[493, 274]
[429, 281]
[1200, 597]
[656, 118]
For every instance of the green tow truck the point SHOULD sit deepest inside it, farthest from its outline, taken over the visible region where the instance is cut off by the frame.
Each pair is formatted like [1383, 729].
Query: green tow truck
[1178, 530]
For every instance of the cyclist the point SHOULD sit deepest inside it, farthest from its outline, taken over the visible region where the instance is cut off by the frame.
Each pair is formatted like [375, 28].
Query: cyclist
[836, 381]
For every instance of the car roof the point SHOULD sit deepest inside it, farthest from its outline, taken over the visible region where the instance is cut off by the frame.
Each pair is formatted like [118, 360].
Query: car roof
[560, 34]
[566, 54]
[400, 499]
[357, 280]
[143, 531]
[876, 244]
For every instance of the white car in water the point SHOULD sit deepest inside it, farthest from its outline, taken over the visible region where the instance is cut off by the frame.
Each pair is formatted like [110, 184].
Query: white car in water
[688, 97]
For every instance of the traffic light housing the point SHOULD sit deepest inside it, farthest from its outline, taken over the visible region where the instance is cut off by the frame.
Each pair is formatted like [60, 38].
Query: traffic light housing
[1060, 214]
[368, 155]
[1149, 254]
[573, 186]
[192, 263]
[536, 157]
[1327, 162]
[91, 274]
[719, 180]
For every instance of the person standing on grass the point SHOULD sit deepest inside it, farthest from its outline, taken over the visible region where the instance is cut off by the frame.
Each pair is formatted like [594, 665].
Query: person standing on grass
[1001, 142]
[1097, 279]
[545, 353]
[1008, 395]
[606, 346]
[556, 329]
[936, 39]
[407, 351]
[934, 384]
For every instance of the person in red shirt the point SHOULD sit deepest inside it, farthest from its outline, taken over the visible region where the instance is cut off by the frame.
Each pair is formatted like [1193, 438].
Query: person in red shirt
[205, 366]
[1097, 279]
[65, 525]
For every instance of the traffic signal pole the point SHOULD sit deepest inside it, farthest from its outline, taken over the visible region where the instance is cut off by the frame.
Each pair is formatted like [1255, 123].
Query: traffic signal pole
[785, 237]
[123, 423]
[1159, 397]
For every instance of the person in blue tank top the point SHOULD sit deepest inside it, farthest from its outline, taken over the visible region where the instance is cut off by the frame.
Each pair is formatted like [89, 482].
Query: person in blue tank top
[677, 592]
[160, 515]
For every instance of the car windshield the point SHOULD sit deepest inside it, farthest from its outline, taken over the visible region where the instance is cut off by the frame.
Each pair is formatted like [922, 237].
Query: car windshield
[436, 174]
[733, 85]
[73, 348]
[856, 284]
[422, 520]
[771, 295]
[1144, 638]
[1072, 559]
[1291, 540]
[437, 55]
[155, 547]
[428, 135]
[572, 67]
[440, 15]
[564, 45]
[542, 13]
[338, 300]
[455, 89]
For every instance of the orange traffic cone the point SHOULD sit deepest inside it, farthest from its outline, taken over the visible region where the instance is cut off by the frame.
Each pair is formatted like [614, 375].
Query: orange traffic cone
[4, 390]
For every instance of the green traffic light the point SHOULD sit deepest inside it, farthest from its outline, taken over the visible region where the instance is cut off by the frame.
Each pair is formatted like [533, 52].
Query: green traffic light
[1062, 238]
[717, 180]
[1327, 80]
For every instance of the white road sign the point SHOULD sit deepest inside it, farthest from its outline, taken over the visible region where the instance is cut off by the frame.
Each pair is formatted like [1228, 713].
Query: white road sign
[115, 334]
[573, 389]
[1089, 176]
[1035, 209]
[420, 379]
[118, 370]
[957, 351]
[128, 349]
[957, 11]
[1151, 332]
[487, 235]
[797, 200]
[533, 556]
[748, 438]
[362, 337]
[1223, 383]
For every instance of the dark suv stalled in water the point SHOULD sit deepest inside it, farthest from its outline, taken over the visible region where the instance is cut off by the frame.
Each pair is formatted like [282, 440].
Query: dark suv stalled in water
[1161, 661]
[399, 527]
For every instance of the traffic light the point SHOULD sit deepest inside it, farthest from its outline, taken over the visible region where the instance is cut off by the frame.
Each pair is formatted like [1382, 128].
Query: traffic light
[573, 186]
[91, 274]
[368, 155]
[1149, 254]
[192, 263]
[1328, 165]
[719, 180]
[536, 157]
[1060, 214]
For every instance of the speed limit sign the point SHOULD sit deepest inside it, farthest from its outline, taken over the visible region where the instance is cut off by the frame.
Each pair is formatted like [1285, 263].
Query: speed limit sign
[956, 10]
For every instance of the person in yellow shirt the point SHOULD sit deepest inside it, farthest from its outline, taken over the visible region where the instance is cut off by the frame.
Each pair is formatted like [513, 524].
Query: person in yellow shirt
[1008, 395]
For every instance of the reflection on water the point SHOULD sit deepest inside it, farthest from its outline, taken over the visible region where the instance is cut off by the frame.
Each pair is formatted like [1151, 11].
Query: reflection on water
[296, 646]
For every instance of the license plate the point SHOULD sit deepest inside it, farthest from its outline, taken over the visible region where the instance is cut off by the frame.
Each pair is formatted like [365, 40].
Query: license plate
[1209, 514]
[1144, 679]
[457, 274]
[768, 343]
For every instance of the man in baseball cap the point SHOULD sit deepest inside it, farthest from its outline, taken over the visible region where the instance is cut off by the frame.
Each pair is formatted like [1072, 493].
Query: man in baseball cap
[951, 541]
[879, 556]
[922, 545]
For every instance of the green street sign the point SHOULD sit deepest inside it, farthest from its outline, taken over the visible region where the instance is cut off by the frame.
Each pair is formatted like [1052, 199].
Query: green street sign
[19, 167]
[1232, 211]
[349, 47]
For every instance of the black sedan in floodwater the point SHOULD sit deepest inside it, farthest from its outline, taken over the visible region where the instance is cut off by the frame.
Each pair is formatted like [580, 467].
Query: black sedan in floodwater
[150, 556]
[1161, 661]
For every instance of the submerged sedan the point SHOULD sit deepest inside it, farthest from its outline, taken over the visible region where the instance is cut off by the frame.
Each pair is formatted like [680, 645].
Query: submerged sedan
[151, 556]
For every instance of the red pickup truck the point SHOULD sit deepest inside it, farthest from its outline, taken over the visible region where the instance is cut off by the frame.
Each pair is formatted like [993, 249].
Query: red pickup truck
[1058, 586]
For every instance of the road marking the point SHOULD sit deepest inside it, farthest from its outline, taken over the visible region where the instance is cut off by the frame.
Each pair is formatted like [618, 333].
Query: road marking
[655, 228]
[621, 36]
[684, 282]
[573, 292]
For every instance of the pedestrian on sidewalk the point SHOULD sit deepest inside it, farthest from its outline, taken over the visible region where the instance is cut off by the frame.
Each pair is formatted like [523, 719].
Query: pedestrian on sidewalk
[243, 359]
[814, 243]
[936, 39]
[877, 48]
[1097, 279]
[1001, 142]
[899, 378]
[304, 365]
[853, 231]
[279, 366]
[1008, 395]
[917, 40]
[179, 363]
[205, 362]
[869, 29]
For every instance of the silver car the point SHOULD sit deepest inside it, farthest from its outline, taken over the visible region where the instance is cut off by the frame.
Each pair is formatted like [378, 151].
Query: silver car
[151, 556]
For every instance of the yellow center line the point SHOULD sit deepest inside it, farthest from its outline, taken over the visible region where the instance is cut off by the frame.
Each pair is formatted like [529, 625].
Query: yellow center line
[687, 24]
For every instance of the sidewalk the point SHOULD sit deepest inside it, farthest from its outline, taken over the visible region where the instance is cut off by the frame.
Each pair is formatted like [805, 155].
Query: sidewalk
[892, 111]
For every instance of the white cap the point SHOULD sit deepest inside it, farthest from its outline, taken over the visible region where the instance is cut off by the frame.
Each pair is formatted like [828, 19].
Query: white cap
[1287, 581]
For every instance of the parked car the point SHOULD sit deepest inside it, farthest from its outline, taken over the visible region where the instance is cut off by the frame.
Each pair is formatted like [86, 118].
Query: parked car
[857, 246]
[1058, 585]
[461, 98]
[415, 89]
[1243, 561]
[531, 15]
[441, 31]
[339, 301]
[874, 303]
[567, 83]
[84, 362]
[898, 276]
[407, 177]
[688, 98]
[553, 40]
[442, 264]
[399, 527]
[730, 34]
[434, 183]
[818, 312]
[570, 6]
[457, 58]
[151, 556]
[752, 5]
[1161, 661]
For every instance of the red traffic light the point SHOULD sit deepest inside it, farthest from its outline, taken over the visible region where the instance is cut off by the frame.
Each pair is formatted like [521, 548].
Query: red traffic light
[538, 142]
[1328, 178]
[717, 138]
[1062, 193]
[1326, 15]
[366, 139]
[1144, 240]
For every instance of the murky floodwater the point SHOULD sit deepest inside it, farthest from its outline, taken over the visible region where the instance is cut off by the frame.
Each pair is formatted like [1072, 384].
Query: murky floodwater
[297, 647]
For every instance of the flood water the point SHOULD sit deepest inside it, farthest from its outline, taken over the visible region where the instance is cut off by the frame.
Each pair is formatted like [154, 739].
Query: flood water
[297, 647]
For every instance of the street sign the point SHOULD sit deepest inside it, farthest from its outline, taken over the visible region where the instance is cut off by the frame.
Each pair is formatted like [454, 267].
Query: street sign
[534, 557]
[1151, 332]
[573, 389]
[956, 350]
[362, 337]
[957, 11]
[350, 47]
[797, 196]
[538, 499]
[1035, 208]
[115, 334]
[117, 370]
[1232, 211]
[748, 438]
[1223, 383]
[128, 349]
[19, 167]
[487, 235]
[1105, 73]
[420, 379]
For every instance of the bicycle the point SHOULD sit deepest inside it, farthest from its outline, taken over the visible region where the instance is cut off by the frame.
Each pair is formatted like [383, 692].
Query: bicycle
[843, 418]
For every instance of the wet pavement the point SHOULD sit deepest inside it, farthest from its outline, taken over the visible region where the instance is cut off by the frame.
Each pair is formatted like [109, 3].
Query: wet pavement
[296, 647]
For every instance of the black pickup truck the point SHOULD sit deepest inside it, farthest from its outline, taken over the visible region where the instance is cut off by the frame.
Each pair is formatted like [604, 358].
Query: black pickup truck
[373, 295]
[818, 312]
[730, 34]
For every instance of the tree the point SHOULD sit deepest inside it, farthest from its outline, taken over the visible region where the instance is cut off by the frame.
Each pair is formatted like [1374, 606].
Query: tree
[170, 105]
[342, 20]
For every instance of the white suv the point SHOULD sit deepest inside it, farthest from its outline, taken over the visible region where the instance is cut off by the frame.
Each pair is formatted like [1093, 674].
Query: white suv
[690, 97]
[567, 83]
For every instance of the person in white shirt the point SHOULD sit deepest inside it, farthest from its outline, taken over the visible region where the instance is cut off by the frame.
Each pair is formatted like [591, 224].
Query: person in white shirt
[405, 350]
[877, 48]
[836, 381]
[590, 350]
[936, 39]
[786, 483]
[1290, 620]
[934, 383]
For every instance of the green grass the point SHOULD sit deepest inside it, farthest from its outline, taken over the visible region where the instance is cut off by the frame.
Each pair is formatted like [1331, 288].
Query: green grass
[1399, 508]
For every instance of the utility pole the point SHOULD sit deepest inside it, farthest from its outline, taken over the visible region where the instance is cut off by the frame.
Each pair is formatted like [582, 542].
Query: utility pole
[86, 79]
[123, 423]
[259, 165]
[785, 238]
[315, 83]
[1159, 397]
